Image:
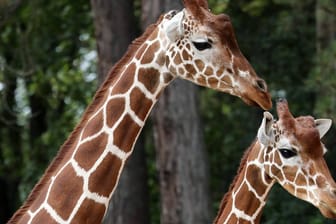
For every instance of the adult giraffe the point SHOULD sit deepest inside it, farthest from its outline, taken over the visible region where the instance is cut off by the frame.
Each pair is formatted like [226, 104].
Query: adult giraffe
[193, 44]
[288, 152]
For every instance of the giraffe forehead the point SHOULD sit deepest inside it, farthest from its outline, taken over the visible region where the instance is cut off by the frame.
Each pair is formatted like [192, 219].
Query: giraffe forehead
[310, 142]
[284, 142]
[191, 28]
[305, 139]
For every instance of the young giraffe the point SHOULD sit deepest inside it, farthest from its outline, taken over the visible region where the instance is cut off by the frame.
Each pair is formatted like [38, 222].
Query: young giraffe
[193, 44]
[288, 151]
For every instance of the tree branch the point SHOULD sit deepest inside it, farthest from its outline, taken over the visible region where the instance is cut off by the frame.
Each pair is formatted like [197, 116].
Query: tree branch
[328, 10]
[7, 10]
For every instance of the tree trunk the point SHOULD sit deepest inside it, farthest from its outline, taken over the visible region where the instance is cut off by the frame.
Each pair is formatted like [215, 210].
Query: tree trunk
[114, 27]
[10, 149]
[324, 83]
[325, 24]
[181, 158]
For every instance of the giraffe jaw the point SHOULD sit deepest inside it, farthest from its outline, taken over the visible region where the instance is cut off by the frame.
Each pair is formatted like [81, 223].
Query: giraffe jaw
[264, 101]
[327, 210]
[252, 95]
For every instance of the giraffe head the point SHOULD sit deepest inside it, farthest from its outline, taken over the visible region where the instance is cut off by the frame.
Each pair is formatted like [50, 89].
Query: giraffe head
[292, 155]
[202, 47]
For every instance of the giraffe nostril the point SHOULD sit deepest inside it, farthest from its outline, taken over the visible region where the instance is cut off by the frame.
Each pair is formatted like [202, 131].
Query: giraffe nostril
[333, 192]
[261, 84]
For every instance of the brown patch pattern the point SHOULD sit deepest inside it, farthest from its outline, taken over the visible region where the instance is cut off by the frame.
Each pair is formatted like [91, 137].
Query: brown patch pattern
[38, 201]
[139, 103]
[103, 180]
[241, 201]
[43, 217]
[150, 52]
[185, 55]
[88, 153]
[200, 65]
[90, 211]
[220, 71]
[64, 196]
[227, 80]
[190, 69]
[208, 71]
[233, 219]
[127, 80]
[213, 81]
[114, 109]
[253, 174]
[125, 134]
[141, 51]
[177, 59]
[94, 125]
[24, 219]
[150, 77]
[289, 175]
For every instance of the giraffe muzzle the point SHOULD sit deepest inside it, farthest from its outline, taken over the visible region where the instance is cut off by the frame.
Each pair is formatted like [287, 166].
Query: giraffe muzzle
[261, 85]
[258, 96]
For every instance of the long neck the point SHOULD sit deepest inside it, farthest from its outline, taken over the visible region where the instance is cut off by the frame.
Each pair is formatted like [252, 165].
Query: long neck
[80, 181]
[248, 193]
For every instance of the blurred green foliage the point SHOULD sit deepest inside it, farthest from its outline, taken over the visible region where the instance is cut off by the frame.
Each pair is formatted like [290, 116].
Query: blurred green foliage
[46, 82]
[47, 58]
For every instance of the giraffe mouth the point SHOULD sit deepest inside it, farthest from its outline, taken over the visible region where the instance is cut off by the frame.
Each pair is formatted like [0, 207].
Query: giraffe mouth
[264, 102]
[250, 102]
[254, 97]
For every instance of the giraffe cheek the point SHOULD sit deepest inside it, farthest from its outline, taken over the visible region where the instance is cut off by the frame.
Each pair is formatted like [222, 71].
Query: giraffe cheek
[177, 59]
[267, 169]
[276, 173]
[226, 79]
[200, 65]
[201, 80]
[300, 180]
[208, 71]
[290, 188]
[213, 82]
[301, 193]
[191, 71]
[289, 175]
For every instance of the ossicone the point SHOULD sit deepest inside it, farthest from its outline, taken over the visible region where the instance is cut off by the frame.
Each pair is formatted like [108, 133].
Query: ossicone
[196, 7]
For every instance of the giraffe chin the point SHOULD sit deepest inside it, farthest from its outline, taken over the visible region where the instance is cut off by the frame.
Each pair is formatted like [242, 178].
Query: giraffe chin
[264, 104]
[327, 211]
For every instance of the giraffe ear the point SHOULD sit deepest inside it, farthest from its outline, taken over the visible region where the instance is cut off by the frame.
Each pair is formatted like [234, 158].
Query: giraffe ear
[265, 134]
[323, 125]
[173, 27]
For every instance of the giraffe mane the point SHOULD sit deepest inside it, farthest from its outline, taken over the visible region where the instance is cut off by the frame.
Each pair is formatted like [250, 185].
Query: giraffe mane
[235, 179]
[65, 148]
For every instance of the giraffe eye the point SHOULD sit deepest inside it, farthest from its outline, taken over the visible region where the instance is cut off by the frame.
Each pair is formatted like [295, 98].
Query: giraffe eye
[202, 45]
[287, 153]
